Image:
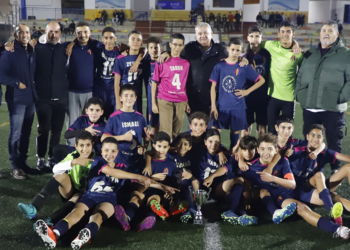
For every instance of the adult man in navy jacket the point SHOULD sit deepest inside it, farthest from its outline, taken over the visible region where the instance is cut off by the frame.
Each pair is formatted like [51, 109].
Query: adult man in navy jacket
[17, 73]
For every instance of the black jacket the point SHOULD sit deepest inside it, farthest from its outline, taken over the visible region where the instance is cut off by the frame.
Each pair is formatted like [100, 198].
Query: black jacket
[50, 75]
[16, 67]
[201, 66]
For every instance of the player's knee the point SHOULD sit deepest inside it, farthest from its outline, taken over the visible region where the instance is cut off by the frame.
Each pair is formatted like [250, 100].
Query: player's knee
[138, 195]
[319, 176]
[99, 215]
[302, 209]
[263, 193]
[61, 177]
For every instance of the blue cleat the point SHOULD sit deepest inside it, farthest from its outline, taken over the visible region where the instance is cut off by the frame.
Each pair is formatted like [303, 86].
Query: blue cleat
[247, 220]
[186, 216]
[230, 216]
[48, 222]
[28, 210]
[280, 214]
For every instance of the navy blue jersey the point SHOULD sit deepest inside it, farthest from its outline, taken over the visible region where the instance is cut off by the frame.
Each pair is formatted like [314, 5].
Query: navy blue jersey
[294, 142]
[262, 61]
[182, 162]
[83, 122]
[104, 64]
[304, 168]
[101, 183]
[121, 122]
[228, 78]
[281, 170]
[166, 166]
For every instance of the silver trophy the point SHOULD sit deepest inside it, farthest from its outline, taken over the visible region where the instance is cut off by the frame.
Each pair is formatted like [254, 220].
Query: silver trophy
[199, 197]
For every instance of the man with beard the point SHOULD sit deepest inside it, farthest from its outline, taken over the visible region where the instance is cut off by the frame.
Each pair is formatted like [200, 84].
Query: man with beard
[323, 86]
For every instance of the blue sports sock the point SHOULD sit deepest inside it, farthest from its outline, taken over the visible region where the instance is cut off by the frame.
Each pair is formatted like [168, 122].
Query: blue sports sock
[235, 196]
[62, 227]
[93, 227]
[270, 205]
[189, 197]
[130, 210]
[325, 196]
[241, 207]
[233, 138]
[327, 225]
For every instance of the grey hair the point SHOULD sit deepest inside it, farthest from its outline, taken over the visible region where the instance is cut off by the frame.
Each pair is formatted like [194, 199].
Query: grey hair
[202, 24]
[332, 23]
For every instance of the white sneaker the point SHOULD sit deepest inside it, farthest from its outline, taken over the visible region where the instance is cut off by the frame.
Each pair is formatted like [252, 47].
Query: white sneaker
[342, 232]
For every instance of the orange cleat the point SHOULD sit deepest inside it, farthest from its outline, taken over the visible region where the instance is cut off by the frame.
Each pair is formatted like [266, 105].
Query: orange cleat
[159, 210]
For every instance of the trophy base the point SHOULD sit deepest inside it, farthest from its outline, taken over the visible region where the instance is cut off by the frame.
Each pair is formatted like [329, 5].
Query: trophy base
[198, 222]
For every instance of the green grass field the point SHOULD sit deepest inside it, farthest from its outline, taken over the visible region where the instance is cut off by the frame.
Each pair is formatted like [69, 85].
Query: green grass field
[294, 233]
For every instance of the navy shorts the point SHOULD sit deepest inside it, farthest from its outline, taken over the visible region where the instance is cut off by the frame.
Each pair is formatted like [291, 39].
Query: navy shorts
[256, 112]
[108, 98]
[152, 119]
[92, 199]
[284, 196]
[234, 120]
[304, 192]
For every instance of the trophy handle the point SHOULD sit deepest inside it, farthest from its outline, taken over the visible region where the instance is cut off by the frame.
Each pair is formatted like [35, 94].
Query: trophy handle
[208, 194]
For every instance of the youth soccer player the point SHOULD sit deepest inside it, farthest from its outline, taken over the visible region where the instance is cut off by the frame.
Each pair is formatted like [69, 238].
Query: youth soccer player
[171, 76]
[70, 183]
[153, 46]
[122, 74]
[128, 127]
[228, 78]
[257, 101]
[105, 179]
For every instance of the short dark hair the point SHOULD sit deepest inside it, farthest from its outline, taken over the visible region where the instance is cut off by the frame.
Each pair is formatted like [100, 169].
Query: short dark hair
[84, 135]
[198, 115]
[154, 39]
[318, 126]
[82, 23]
[161, 136]
[94, 101]
[126, 87]
[110, 140]
[187, 136]
[135, 32]
[248, 142]
[283, 119]
[177, 36]
[285, 24]
[108, 29]
[253, 29]
[235, 41]
[211, 132]
[269, 138]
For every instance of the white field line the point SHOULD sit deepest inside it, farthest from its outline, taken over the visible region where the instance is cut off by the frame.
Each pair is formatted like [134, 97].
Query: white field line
[212, 236]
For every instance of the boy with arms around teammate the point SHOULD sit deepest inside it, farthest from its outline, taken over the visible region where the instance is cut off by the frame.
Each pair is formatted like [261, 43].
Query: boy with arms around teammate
[171, 76]
[228, 79]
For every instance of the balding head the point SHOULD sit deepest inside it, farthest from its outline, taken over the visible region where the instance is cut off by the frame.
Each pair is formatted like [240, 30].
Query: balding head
[22, 34]
[53, 32]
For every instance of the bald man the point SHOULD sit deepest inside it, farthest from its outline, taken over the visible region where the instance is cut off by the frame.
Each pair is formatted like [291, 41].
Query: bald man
[52, 87]
[17, 73]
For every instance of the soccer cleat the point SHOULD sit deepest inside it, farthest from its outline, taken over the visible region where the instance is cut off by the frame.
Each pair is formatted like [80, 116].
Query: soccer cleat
[28, 210]
[342, 232]
[186, 216]
[178, 209]
[337, 210]
[247, 220]
[83, 237]
[50, 163]
[280, 214]
[121, 216]
[46, 234]
[147, 223]
[230, 216]
[159, 210]
[48, 222]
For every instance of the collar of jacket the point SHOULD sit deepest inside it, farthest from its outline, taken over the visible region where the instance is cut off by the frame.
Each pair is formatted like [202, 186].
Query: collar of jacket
[337, 45]
[214, 49]
[18, 45]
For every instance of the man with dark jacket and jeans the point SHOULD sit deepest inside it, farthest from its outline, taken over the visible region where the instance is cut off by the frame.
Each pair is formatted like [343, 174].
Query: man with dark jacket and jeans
[17, 73]
[52, 87]
[323, 86]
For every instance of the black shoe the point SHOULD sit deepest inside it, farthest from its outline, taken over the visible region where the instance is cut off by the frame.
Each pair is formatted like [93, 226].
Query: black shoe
[50, 163]
[42, 167]
[29, 170]
[19, 174]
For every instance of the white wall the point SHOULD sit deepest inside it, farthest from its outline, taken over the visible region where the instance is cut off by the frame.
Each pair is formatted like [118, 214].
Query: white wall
[208, 5]
[319, 11]
[250, 11]
[340, 7]
[44, 9]
[90, 4]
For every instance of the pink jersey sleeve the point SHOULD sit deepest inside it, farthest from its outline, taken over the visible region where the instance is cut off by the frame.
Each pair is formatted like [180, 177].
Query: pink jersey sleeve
[156, 73]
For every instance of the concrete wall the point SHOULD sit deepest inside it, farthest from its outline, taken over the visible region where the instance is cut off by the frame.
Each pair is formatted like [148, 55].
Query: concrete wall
[44, 9]
[319, 11]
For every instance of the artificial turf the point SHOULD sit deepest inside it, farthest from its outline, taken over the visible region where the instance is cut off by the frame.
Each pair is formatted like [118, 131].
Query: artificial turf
[293, 233]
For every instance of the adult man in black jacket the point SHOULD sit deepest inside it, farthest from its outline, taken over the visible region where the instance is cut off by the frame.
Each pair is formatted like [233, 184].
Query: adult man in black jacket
[52, 88]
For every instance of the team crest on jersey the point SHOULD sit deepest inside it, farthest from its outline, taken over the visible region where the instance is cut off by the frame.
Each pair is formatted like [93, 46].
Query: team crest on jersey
[236, 72]
[229, 84]
[275, 173]
[293, 58]
[165, 171]
[89, 51]
[279, 198]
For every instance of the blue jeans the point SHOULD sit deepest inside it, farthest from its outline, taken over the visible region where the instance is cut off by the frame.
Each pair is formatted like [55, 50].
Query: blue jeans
[21, 120]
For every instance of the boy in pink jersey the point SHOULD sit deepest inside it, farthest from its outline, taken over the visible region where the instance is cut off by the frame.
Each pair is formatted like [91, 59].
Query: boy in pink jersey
[172, 98]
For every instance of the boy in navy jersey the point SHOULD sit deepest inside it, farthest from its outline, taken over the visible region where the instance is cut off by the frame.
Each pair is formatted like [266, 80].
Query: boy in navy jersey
[124, 76]
[105, 178]
[153, 46]
[281, 184]
[128, 127]
[92, 122]
[228, 79]
[257, 101]
[170, 79]
[163, 169]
